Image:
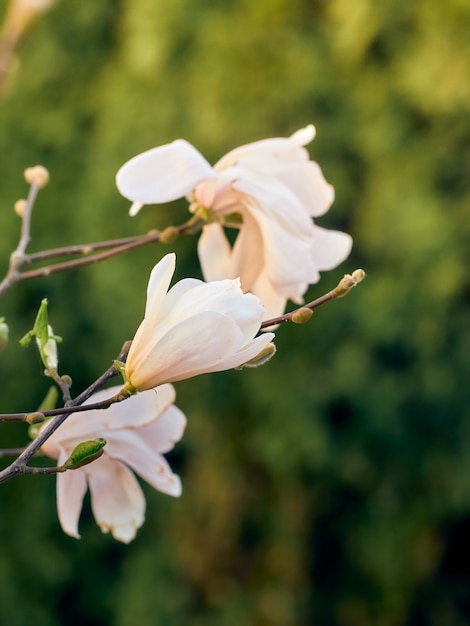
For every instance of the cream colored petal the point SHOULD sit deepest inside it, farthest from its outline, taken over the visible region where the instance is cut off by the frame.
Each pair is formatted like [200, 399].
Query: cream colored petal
[71, 489]
[117, 500]
[273, 302]
[188, 349]
[222, 296]
[159, 282]
[133, 449]
[277, 147]
[225, 297]
[307, 182]
[134, 412]
[135, 208]
[214, 253]
[330, 248]
[249, 351]
[248, 253]
[287, 255]
[162, 434]
[163, 174]
[276, 200]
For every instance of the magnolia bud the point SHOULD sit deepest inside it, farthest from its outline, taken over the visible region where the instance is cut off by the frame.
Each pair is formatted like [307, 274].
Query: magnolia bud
[169, 234]
[344, 286]
[37, 175]
[20, 206]
[358, 276]
[35, 418]
[302, 315]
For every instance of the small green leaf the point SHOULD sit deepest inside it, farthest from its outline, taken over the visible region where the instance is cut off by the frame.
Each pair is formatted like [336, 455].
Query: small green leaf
[84, 453]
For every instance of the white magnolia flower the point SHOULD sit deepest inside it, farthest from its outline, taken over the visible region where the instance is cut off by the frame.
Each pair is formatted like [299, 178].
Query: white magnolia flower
[272, 183]
[137, 431]
[193, 328]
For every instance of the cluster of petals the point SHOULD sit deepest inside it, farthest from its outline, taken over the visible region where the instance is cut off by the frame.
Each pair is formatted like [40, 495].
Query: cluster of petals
[138, 432]
[192, 328]
[276, 188]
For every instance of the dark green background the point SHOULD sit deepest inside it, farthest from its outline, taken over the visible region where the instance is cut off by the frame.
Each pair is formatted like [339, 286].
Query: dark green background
[332, 486]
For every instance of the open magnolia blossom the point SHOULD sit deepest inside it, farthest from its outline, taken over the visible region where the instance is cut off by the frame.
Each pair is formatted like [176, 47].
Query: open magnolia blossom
[279, 251]
[192, 329]
[137, 431]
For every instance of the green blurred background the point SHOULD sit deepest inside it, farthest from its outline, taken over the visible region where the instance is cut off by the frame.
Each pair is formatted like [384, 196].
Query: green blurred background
[332, 486]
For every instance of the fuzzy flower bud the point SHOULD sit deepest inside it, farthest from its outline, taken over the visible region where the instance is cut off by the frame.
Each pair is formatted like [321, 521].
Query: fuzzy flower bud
[37, 175]
[20, 206]
[302, 315]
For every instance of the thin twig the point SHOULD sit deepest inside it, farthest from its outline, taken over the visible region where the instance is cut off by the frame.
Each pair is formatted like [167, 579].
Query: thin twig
[55, 469]
[86, 248]
[118, 246]
[287, 317]
[18, 257]
[348, 282]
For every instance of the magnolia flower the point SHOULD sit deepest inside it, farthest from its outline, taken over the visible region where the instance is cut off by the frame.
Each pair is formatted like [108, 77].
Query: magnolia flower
[192, 329]
[277, 190]
[137, 431]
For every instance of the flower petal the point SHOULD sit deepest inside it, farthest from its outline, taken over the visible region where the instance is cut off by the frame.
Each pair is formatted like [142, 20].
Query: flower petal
[157, 288]
[159, 282]
[248, 252]
[223, 296]
[117, 500]
[330, 248]
[71, 488]
[162, 434]
[186, 350]
[135, 449]
[248, 352]
[273, 302]
[164, 173]
[135, 412]
[277, 147]
[214, 253]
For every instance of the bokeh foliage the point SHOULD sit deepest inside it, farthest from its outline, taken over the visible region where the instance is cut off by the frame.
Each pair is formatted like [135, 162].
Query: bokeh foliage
[331, 486]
